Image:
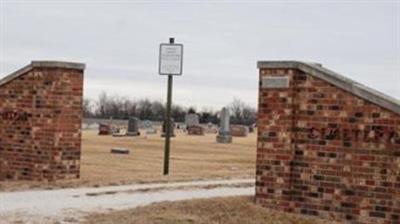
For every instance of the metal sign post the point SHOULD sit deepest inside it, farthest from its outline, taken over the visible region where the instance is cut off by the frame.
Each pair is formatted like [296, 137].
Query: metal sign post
[170, 63]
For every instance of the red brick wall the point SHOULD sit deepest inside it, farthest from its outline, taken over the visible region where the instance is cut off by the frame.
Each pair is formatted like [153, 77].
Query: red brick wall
[40, 124]
[325, 152]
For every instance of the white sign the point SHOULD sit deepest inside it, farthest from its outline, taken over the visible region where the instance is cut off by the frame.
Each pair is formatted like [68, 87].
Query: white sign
[170, 59]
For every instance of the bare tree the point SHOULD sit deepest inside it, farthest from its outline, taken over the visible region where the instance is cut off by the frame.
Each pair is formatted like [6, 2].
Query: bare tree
[102, 105]
[87, 108]
[249, 115]
[178, 113]
[158, 110]
[144, 109]
[241, 113]
[123, 108]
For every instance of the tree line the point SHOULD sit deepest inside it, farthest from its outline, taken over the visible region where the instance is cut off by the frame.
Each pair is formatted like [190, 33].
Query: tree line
[145, 109]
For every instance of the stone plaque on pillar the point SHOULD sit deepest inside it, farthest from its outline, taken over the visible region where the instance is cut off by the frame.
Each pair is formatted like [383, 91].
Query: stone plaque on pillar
[275, 82]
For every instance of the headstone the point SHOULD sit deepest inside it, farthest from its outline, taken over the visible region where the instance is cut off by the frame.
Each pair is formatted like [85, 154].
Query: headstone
[114, 129]
[107, 129]
[211, 128]
[195, 130]
[224, 134]
[252, 128]
[119, 151]
[172, 126]
[151, 131]
[146, 124]
[239, 130]
[133, 127]
[191, 119]
[193, 125]
[104, 129]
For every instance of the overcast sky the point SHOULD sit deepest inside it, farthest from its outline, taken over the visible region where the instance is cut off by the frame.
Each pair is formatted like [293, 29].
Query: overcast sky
[119, 40]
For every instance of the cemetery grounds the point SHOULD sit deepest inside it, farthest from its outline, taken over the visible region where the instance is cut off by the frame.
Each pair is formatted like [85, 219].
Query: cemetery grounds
[192, 158]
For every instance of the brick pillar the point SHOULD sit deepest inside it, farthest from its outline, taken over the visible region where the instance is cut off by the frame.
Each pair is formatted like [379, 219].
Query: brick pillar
[275, 150]
[40, 121]
[327, 145]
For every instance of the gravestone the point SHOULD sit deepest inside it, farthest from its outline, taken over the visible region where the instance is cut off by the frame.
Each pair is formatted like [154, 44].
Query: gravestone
[211, 128]
[191, 119]
[104, 129]
[193, 125]
[252, 128]
[172, 126]
[119, 151]
[133, 127]
[195, 130]
[151, 131]
[107, 129]
[148, 125]
[115, 129]
[239, 130]
[224, 133]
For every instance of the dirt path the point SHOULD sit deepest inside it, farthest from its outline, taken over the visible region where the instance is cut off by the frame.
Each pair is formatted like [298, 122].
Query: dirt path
[71, 205]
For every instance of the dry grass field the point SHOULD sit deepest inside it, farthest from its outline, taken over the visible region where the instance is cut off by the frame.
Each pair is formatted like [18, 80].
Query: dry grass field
[229, 210]
[192, 158]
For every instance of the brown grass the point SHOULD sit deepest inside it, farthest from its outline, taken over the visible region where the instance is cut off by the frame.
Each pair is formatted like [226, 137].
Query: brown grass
[192, 157]
[229, 210]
